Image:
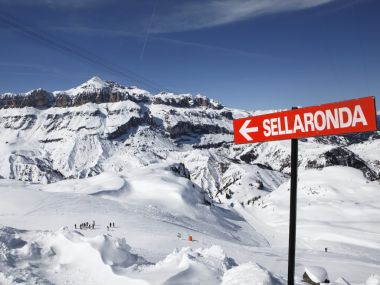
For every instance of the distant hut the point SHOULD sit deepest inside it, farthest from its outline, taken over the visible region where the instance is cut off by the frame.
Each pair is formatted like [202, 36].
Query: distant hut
[315, 275]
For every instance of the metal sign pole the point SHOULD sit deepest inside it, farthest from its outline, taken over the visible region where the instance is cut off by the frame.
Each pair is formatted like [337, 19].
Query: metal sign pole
[293, 211]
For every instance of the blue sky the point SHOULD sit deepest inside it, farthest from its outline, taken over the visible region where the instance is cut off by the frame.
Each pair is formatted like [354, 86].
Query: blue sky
[250, 54]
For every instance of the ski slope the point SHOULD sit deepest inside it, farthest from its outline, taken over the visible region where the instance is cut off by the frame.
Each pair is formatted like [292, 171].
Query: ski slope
[338, 209]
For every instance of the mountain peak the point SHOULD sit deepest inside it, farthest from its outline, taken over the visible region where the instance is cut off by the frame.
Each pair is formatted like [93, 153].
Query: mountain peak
[94, 84]
[96, 81]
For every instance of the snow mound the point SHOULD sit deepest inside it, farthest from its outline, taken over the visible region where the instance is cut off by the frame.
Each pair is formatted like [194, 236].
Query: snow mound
[250, 273]
[65, 256]
[156, 185]
[373, 280]
[114, 252]
[190, 266]
[159, 186]
[102, 183]
[11, 254]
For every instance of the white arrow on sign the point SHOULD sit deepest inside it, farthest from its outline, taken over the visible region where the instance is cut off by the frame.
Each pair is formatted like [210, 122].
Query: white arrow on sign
[244, 130]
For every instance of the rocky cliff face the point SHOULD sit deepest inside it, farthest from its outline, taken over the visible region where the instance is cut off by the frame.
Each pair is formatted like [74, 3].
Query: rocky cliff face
[98, 91]
[103, 126]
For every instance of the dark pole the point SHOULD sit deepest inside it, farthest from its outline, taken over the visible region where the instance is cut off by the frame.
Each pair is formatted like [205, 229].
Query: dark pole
[293, 210]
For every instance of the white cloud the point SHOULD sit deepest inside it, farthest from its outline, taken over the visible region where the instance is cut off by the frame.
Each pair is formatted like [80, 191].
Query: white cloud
[204, 14]
[177, 15]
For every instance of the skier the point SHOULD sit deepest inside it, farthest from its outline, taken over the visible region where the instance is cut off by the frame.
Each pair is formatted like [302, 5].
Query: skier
[113, 224]
[110, 225]
[108, 228]
[75, 226]
[179, 236]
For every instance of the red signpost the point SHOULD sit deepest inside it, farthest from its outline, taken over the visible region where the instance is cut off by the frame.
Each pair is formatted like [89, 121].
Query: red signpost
[358, 115]
[352, 116]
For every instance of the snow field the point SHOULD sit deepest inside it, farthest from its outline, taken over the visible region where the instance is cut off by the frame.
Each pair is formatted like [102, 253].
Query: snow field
[140, 247]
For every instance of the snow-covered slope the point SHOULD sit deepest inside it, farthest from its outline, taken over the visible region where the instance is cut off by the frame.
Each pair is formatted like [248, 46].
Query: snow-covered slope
[159, 165]
[149, 208]
[333, 195]
[337, 209]
[68, 257]
[151, 205]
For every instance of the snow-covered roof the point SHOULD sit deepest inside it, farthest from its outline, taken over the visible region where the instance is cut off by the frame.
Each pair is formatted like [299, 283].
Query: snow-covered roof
[317, 274]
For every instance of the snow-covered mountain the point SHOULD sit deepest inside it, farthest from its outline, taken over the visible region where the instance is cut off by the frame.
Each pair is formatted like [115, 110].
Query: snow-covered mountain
[163, 164]
[104, 126]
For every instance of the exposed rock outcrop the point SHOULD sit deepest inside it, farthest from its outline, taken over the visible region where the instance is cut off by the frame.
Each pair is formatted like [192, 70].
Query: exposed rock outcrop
[343, 156]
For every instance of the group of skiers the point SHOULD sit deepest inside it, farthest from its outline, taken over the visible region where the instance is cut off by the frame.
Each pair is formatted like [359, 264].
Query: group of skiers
[91, 226]
[86, 225]
[112, 225]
